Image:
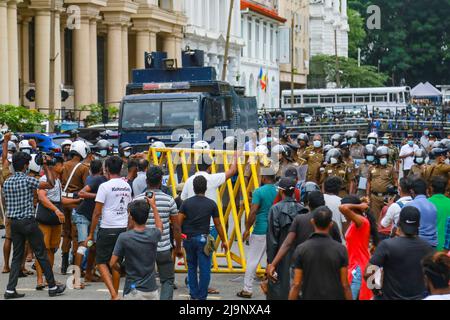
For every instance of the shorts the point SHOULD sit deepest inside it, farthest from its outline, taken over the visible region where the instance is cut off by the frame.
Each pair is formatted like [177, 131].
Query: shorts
[140, 295]
[52, 235]
[7, 228]
[83, 226]
[106, 242]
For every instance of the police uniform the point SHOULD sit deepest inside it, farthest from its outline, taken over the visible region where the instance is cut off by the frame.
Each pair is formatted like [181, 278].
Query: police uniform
[299, 156]
[380, 178]
[357, 151]
[417, 170]
[393, 155]
[314, 161]
[351, 172]
[441, 169]
[339, 170]
[362, 175]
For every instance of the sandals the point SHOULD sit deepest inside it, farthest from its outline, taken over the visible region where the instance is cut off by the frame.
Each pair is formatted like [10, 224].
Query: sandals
[213, 291]
[40, 287]
[244, 294]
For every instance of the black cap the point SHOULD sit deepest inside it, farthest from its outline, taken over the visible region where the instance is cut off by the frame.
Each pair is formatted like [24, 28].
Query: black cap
[286, 184]
[291, 172]
[409, 220]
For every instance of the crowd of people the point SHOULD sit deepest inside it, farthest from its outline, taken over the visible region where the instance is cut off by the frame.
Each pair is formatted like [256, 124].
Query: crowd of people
[346, 220]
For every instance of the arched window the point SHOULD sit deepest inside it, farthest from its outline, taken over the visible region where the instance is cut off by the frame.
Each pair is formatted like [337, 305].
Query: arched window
[251, 86]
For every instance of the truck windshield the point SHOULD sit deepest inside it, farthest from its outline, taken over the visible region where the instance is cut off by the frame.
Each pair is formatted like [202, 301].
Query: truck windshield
[156, 114]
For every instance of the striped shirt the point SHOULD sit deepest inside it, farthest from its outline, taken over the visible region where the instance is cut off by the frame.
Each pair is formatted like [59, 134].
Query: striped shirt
[166, 208]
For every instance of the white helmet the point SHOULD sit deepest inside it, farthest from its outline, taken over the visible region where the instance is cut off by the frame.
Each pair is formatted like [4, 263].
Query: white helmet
[278, 149]
[262, 149]
[158, 145]
[79, 147]
[24, 144]
[66, 143]
[202, 145]
[14, 138]
[33, 166]
[267, 140]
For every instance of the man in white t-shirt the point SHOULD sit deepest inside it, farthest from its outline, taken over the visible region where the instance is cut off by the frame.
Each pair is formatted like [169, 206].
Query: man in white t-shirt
[407, 154]
[332, 186]
[393, 212]
[111, 205]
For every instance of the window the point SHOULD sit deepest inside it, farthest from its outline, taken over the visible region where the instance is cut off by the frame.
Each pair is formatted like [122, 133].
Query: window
[379, 98]
[258, 49]
[345, 99]
[68, 57]
[165, 4]
[31, 51]
[264, 41]
[138, 115]
[271, 43]
[310, 99]
[362, 98]
[327, 99]
[217, 111]
[249, 33]
[179, 113]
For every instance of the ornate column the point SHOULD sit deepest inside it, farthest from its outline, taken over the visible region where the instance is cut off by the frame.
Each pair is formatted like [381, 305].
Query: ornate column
[344, 8]
[142, 46]
[57, 67]
[93, 59]
[13, 53]
[4, 74]
[42, 58]
[25, 54]
[125, 70]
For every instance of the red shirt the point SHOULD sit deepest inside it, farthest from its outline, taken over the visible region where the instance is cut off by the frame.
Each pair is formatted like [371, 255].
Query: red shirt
[357, 240]
[296, 193]
[381, 229]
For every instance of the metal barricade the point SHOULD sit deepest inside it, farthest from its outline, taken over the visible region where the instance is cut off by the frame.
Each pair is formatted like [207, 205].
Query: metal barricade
[233, 198]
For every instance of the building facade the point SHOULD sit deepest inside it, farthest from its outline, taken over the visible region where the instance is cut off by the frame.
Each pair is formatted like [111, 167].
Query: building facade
[260, 72]
[90, 53]
[298, 11]
[329, 27]
[206, 29]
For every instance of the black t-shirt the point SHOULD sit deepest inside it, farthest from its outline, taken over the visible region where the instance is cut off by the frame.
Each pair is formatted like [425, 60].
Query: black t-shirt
[321, 259]
[198, 211]
[303, 228]
[401, 258]
[86, 207]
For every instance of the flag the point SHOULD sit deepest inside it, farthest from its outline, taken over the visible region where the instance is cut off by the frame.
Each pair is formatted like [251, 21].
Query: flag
[262, 79]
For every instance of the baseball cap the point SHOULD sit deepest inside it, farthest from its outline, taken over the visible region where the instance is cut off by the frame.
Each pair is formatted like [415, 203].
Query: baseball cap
[286, 184]
[409, 220]
[291, 172]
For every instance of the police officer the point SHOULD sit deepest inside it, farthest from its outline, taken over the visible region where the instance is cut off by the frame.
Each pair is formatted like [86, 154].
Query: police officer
[356, 148]
[336, 140]
[314, 159]
[302, 141]
[372, 138]
[285, 158]
[381, 176]
[102, 148]
[349, 164]
[337, 167]
[439, 167]
[125, 152]
[419, 167]
[393, 150]
[363, 170]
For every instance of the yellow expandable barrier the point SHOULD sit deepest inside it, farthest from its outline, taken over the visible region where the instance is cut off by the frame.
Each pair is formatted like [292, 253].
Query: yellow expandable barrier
[236, 195]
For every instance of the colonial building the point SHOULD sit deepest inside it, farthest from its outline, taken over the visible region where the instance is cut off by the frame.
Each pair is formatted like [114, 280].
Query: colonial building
[329, 27]
[297, 10]
[207, 22]
[96, 44]
[260, 73]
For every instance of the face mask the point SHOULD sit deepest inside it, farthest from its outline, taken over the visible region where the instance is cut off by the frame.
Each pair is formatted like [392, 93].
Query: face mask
[317, 144]
[385, 141]
[419, 160]
[370, 158]
[127, 154]
[103, 153]
[335, 143]
[410, 143]
[383, 161]
[426, 132]
[353, 141]
[372, 141]
[28, 151]
[333, 161]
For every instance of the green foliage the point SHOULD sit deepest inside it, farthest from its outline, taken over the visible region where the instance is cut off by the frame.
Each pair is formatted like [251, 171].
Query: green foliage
[357, 34]
[21, 119]
[323, 71]
[95, 115]
[413, 42]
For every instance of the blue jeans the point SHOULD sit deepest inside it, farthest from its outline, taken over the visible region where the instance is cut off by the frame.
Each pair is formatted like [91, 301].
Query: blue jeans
[356, 282]
[83, 226]
[197, 259]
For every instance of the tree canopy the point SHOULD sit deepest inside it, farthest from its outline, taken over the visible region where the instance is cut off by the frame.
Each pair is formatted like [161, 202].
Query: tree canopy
[413, 42]
[21, 119]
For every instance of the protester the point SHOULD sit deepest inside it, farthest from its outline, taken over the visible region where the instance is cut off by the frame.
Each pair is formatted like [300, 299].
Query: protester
[407, 154]
[400, 260]
[140, 281]
[82, 218]
[112, 201]
[280, 219]
[195, 214]
[321, 264]
[332, 187]
[436, 269]
[168, 214]
[442, 204]
[362, 229]
[18, 192]
[428, 211]
[140, 184]
[393, 212]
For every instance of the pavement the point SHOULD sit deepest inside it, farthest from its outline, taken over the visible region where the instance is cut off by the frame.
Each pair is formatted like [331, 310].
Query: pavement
[227, 284]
